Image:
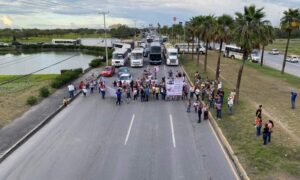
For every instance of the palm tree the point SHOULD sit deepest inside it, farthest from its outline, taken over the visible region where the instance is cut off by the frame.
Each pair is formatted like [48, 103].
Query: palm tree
[268, 38]
[192, 27]
[289, 22]
[247, 34]
[206, 31]
[199, 22]
[222, 31]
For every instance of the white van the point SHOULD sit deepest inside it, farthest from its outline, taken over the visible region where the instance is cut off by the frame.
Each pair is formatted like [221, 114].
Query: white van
[171, 54]
[136, 57]
[119, 57]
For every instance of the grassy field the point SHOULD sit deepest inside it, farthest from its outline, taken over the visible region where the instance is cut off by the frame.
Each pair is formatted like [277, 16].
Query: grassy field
[294, 47]
[13, 96]
[49, 38]
[281, 158]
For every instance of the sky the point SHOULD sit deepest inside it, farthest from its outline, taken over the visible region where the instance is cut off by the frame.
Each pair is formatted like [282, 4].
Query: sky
[49, 14]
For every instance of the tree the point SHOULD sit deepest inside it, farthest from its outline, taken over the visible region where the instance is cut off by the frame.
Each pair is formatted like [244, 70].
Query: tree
[268, 38]
[199, 22]
[247, 34]
[192, 27]
[221, 35]
[289, 22]
[206, 30]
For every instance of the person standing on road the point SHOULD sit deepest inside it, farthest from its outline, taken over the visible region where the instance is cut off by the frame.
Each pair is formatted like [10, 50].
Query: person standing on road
[189, 105]
[265, 134]
[293, 99]
[259, 112]
[71, 90]
[128, 95]
[199, 112]
[147, 92]
[119, 96]
[157, 92]
[102, 89]
[258, 125]
[192, 90]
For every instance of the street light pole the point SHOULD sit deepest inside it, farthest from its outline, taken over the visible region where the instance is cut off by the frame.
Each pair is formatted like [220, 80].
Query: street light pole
[106, 55]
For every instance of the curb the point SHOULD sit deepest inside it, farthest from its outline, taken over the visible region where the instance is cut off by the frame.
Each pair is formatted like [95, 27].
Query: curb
[238, 166]
[34, 130]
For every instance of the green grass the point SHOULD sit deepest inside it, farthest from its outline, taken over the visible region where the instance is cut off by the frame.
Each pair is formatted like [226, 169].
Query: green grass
[294, 47]
[291, 79]
[13, 95]
[274, 161]
[49, 38]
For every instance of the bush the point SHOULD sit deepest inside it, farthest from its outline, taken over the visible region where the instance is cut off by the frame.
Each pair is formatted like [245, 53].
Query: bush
[95, 63]
[66, 77]
[32, 100]
[44, 92]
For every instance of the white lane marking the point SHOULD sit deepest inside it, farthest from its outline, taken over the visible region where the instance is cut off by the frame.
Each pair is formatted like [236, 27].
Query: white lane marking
[225, 154]
[129, 129]
[172, 129]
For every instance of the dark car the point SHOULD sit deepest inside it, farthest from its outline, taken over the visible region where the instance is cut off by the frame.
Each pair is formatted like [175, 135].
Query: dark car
[108, 71]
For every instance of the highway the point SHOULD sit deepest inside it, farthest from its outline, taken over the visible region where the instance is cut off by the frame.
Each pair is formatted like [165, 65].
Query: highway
[95, 139]
[275, 61]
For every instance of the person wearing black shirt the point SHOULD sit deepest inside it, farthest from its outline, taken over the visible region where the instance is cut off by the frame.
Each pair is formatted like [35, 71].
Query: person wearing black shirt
[259, 112]
[199, 112]
[265, 134]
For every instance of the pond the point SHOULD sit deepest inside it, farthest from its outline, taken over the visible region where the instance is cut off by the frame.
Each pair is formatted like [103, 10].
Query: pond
[44, 62]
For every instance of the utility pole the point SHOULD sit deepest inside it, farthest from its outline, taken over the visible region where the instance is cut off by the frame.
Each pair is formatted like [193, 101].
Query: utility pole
[106, 55]
[135, 30]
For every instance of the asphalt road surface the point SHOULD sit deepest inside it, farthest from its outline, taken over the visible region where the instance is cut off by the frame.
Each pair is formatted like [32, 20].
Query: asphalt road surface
[95, 139]
[275, 61]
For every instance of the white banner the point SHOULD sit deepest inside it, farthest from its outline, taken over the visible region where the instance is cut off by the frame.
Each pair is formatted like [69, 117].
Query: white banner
[174, 87]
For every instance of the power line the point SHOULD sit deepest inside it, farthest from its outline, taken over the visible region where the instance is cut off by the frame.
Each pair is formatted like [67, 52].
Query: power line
[21, 77]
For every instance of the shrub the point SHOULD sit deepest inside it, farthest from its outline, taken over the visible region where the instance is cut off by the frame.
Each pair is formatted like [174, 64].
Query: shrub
[95, 63]
[66, 77]
[44, 92]
[31, 100]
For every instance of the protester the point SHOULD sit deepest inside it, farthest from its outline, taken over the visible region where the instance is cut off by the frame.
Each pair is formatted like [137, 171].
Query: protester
[157, 92]
[265, 134]
[270, 126]
[258, 125]
[147, 93]
[293, 99]
[205, 112]
[199, 112]
[219, 109]
[102, 89]
[71, 90]
[189, 104]
[195, 105]
[259, 112]
[197, 93]
[192, 90]
[84, 90]
[119, 96]
[134, 94]
[230, 105]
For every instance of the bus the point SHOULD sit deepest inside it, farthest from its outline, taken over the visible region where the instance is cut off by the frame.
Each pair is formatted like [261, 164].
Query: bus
[119, 57]
[233, 52]
[66, 41]
[155, 53]
[188, 48]
[136, 57]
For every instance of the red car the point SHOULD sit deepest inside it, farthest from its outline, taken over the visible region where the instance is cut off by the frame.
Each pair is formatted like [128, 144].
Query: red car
[108, 71]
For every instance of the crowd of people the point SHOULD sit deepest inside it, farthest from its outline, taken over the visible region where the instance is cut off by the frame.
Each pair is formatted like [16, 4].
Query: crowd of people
[204, 95]
[267, 129]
